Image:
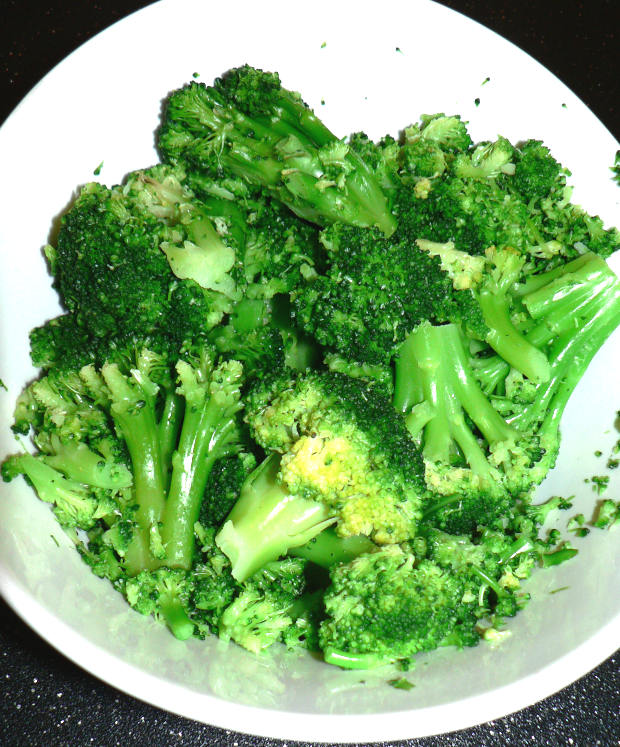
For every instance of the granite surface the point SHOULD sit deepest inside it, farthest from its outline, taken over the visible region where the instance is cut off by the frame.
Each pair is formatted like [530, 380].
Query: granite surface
[47, 700]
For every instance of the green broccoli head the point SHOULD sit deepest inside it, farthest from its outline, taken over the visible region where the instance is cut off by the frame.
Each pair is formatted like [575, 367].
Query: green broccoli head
[247, 124]
[375, 291]
[385, 607]
[264, 607]
[344, 446]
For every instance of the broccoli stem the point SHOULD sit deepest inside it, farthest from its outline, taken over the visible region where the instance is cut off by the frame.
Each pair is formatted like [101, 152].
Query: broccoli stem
[169, 426]
[433, 368]
[556, 557]
[204, 439]
[570, 355]
[175, 616]
[266, 510]
[328, 549]
[508, 342]
[353, 661]
[209, 431]
[135, 417]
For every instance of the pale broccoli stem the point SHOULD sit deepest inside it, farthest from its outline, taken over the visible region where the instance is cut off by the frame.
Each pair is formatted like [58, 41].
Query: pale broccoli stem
[435, 387]
[328, 549]
[503, 336]
[267, 521]
[133, 411]
[571, 350]
[209, 431]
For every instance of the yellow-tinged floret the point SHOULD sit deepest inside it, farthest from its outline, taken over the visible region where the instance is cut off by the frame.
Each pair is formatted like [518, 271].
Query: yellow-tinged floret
[343, 445]
[342, 476]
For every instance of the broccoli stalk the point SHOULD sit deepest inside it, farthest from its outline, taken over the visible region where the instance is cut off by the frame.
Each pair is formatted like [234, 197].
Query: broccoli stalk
[133, 409]
[267, 510]
[435, 386]
[503, 336]
[575, 309]
[328, 549]
[208, 433]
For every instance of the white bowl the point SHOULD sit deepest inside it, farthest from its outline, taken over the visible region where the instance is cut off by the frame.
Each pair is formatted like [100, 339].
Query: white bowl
[103, 104]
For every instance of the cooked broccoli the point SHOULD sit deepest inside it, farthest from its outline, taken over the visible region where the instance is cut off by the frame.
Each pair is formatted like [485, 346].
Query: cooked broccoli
[303, 386]
[169, 438]
[248, 124]
[384, 607]
[340, 453]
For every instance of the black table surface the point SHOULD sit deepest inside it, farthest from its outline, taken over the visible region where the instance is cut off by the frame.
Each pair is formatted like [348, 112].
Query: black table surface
[47, 700]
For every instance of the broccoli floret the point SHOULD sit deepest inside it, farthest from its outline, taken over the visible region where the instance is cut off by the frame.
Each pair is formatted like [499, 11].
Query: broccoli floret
[607, 514]
[375, 291]
[265, 606]
[340, 453]
[438, 391]
[119, 288]
[164, 593]
[574, 308]
[249, 125]
[342, 444]
[76, 504]
[224, 487]
[493, 279]
[154, 429]
[384, 607]
[539, 513]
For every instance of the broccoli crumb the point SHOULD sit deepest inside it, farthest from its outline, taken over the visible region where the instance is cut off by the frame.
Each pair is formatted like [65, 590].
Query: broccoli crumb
[607, 514]
[599, 483]
[598, 453]
[485, 81]
[616, 168]
[97, 171]
[575, 525]
[401, 683]
[477, 101]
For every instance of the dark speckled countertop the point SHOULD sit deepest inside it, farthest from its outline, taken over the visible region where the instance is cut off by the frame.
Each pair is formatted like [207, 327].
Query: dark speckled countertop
[44, 698]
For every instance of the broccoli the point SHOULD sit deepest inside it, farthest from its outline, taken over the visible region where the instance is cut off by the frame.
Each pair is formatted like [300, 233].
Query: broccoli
[164, 593]
[265, 606]
[492, 194]
[170, 439]
[224, 487]
[384, 607]
[375, 291]
[339, 453]
[248, 124]
[302, 387]
[119, 288]
[437, 390]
